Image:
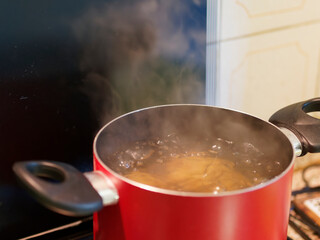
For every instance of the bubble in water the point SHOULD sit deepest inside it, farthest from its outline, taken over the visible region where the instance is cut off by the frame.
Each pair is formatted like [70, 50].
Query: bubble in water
[140, 154]
[250, 149]
[247, 161]
[126, 163]
[216, 147]
[173, 138]
[229, 142]
[218, 189]
[132, 153]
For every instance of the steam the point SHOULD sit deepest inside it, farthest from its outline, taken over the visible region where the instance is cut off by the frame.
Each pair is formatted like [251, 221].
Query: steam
[141, 53]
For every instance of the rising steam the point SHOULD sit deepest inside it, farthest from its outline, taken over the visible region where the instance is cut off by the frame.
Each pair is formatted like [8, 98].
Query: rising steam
[141, 53]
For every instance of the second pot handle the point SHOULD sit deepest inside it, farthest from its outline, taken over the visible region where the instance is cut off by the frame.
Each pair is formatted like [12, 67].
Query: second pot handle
[295, 118]
[64, 189]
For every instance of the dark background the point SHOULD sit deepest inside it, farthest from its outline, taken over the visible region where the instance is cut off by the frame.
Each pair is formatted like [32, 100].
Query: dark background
[57, 85]
[43, 115]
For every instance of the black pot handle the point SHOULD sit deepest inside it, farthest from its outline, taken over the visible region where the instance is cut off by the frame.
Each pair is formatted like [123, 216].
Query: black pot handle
[59, 186]
[307, 128]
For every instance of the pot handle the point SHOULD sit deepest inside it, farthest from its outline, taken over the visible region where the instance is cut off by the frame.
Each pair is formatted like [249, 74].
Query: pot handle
[306, 128]
[64, 189]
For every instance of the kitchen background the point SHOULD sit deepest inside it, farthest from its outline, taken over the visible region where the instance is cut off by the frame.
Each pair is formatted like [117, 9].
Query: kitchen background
[67, 68]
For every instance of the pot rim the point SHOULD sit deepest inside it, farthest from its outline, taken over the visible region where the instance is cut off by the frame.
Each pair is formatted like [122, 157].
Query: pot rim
[191, 194]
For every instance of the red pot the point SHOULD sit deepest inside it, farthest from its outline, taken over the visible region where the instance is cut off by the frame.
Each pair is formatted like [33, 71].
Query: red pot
[137, 211]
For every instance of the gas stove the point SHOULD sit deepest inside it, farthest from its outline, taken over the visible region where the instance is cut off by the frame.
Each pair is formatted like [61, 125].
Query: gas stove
[304, 220]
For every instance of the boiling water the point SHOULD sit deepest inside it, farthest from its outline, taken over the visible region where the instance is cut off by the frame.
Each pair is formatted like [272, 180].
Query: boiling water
[197, 165]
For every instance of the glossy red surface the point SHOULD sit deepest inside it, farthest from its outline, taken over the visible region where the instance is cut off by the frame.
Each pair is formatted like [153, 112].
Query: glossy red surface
[143, 215]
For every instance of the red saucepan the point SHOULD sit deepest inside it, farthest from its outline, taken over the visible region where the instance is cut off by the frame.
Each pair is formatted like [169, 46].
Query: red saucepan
[126, 209]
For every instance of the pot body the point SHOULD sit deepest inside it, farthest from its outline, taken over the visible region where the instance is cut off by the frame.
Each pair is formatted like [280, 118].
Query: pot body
[143, 213]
